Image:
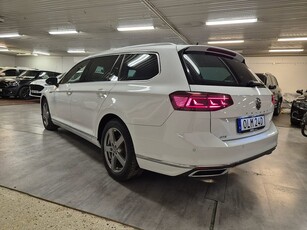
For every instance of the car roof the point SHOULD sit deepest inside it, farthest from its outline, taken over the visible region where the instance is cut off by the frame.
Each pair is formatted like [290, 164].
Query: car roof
[156, 47]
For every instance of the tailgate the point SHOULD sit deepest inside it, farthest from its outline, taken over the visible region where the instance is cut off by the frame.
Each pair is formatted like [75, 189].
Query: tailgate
[250, 104]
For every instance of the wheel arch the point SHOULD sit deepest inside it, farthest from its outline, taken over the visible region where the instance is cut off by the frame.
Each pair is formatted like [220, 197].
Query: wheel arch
[104, 120]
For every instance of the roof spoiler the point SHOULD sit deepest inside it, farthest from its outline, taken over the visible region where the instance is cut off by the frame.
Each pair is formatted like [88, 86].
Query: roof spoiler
[218, 51]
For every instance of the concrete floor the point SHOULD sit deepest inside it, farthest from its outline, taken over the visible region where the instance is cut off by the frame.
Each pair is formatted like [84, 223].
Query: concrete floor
[268, 193]
[21, 211]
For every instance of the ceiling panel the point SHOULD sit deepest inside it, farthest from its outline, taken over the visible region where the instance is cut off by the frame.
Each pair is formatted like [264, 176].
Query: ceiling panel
[97, 21]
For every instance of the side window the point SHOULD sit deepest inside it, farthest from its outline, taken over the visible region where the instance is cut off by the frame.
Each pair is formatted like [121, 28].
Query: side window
[11, 72]
[74, 75]
[100, 69]
[139, 67]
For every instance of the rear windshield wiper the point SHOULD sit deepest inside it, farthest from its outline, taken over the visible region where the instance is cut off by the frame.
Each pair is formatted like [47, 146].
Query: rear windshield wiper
[254, 83]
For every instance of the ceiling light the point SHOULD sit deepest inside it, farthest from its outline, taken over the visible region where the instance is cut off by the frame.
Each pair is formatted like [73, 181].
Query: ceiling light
[13, 35]
[285, 50]
[41, 53]
[59, 32]
[232, 21]
[24, 54]
[226, 42]
[135, 28]
[292, 39]
[76, 51]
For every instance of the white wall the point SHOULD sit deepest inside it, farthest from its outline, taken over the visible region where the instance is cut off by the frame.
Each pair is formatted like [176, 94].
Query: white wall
[7, 60]
[291, 72]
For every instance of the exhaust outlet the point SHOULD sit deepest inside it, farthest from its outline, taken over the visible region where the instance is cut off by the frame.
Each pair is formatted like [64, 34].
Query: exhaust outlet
[208, 173]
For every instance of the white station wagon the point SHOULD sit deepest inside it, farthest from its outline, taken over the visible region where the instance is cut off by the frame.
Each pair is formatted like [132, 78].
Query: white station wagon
[171, 109]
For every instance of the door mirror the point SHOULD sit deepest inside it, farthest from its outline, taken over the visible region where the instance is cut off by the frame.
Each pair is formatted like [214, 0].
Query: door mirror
[52, 81]
[272, 86]
[299, 91]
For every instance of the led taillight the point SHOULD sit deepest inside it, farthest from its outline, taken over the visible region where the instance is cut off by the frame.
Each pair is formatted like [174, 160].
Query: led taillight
[196, 101]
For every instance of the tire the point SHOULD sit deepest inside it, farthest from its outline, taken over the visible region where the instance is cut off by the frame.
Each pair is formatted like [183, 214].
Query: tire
[294, 122]
[304, 129]
[46, 117]
[24, 93]
[278, 109]
[118, 151]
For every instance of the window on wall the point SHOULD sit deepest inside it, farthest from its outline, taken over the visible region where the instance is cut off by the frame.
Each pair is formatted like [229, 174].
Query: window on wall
[139, 67]
[101, 68]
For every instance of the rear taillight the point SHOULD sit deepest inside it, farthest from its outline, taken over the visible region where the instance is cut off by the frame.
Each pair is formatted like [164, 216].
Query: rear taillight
[196, 101]
[273, 99]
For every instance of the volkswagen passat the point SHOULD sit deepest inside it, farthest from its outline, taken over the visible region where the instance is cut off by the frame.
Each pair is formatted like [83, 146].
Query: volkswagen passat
[171, 109]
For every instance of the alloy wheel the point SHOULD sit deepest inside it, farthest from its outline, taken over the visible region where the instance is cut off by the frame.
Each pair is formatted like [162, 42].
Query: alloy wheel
[45, 114]
[115, 150]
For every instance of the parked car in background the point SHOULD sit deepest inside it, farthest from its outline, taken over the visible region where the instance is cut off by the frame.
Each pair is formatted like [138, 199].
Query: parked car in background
[19, 87]
[37, 87]
[271, 82]
[298, 108]
[304, 125]
[11, 72]
[171, 109]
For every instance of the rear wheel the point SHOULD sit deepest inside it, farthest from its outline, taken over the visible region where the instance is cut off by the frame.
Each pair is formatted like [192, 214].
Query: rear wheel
[24, 93]
[277, 110]
[118, 151]
[304, 129]
[304, 125]
[293, 121]
[48, 124]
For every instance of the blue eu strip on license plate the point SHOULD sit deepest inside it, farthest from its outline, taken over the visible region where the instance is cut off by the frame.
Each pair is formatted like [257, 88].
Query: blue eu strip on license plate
[248, 124]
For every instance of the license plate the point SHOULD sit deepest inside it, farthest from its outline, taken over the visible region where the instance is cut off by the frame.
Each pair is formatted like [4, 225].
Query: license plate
[34, 91]
[248, 124]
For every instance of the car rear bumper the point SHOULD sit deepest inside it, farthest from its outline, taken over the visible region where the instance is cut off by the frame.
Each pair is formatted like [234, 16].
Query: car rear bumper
[185, 153]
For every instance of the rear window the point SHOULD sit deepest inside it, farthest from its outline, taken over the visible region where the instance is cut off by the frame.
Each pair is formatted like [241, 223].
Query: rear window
[207, 69]
[262, 77]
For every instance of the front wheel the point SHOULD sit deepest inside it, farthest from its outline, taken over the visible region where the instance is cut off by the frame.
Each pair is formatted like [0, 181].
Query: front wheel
[24, 93]
[48, 124]
[118, 151]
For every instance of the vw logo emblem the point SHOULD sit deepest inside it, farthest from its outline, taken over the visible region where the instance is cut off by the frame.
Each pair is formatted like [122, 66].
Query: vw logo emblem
[258, 103]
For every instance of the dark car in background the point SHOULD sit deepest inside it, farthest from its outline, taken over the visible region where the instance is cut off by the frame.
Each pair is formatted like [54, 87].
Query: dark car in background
[19, 87]
[11, 72]
[298, 108]
[271, 82]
